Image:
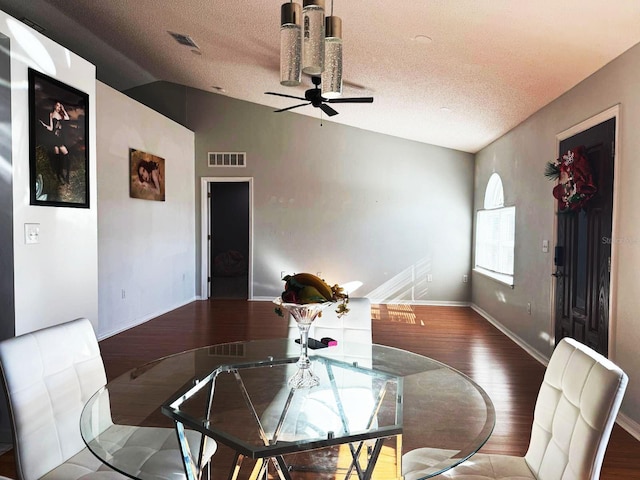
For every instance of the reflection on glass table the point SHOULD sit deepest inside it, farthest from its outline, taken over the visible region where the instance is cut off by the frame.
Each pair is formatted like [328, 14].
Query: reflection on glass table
[351, 404]
[362, 418]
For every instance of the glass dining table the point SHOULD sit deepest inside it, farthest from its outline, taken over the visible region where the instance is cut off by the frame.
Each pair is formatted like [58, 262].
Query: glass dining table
[378, 412]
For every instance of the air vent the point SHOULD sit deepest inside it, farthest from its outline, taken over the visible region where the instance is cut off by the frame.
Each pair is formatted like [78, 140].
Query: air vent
[183, 39]
[32, 24]
[227, 350]
[227, 159]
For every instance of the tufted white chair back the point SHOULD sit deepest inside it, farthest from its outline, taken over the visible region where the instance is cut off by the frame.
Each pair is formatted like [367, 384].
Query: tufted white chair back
[48, 376]
[575, 411]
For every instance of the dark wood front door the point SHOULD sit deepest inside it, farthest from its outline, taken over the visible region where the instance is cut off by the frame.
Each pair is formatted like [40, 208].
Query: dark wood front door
[583, 248]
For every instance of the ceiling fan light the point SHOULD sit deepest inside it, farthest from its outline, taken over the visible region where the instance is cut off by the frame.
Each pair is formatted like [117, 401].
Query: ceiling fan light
[313, 37]
[332, 74]
[290, 44]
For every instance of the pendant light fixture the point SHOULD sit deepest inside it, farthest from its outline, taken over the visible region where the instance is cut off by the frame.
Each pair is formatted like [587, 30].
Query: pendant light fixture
[313, 37]
[332, 73]
[290, 44]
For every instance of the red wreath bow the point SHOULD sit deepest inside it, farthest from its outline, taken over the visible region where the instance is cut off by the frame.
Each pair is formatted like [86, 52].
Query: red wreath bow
[575, 181]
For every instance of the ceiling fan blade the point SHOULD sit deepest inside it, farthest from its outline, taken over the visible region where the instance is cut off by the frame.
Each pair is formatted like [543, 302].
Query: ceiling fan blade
[328, 110]
[350, 100]
[284, 95]
[289, 108]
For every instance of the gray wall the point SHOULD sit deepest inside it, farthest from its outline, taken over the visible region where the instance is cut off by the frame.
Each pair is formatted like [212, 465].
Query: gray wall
[349, 203]
[170, 99]
[519, 157]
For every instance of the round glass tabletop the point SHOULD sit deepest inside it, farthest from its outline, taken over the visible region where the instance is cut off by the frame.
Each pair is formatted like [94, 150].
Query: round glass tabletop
[412, 416]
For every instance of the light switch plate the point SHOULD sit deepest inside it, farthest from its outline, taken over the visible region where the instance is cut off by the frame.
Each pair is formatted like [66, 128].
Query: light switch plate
[31, 233]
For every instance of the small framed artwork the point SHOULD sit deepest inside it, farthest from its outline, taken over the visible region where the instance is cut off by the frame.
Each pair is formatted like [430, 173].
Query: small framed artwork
[58, 143]
[146, 176]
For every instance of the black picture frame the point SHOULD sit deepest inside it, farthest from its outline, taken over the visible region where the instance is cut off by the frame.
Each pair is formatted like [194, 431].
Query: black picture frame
[58, 143]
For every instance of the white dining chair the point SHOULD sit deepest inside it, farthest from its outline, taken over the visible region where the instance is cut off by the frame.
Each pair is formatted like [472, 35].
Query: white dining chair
[576, 409]
[48, 376]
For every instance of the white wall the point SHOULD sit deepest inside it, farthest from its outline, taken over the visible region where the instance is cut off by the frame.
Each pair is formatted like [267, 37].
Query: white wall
[519, 157]
[55, 280]
[146, 248]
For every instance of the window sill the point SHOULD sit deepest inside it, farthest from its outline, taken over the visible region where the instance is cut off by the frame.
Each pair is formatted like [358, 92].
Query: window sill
[498, 277]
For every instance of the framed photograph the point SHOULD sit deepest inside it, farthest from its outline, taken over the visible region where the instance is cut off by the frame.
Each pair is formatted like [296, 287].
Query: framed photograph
[58, 143]
[146, 176]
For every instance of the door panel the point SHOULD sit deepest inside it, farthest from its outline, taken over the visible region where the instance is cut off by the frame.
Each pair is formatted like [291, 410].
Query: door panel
[583, 279]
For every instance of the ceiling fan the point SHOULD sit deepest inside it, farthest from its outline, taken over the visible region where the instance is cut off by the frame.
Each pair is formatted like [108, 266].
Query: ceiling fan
[314, 97]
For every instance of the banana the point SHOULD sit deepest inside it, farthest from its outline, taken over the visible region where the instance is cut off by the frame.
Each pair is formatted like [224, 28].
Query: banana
[310, 294]
[314, 281]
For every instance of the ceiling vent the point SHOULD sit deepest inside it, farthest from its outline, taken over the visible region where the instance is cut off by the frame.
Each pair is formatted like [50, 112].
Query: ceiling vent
[32, 24]
[227, 159]
[183, 39]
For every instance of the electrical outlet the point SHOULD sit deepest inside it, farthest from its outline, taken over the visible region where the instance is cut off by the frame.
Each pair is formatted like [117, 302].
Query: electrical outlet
[545, 246]
[124, 294]
[465, 278]
[429, 277]
[529, 308]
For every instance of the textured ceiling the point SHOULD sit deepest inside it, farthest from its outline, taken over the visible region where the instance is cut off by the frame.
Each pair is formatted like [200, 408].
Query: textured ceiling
[485, 67]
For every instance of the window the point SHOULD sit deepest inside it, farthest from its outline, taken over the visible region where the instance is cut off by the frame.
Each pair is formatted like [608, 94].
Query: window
[495, 234]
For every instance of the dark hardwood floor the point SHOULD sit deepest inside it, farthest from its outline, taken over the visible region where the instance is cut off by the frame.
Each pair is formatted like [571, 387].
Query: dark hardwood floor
[454, 335]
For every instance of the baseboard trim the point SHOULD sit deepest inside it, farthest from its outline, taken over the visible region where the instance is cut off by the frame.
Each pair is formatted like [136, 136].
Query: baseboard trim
[434, 303]
[261, 299]
[629, 425]
[140, 321]
[426, 303]
[519, 341]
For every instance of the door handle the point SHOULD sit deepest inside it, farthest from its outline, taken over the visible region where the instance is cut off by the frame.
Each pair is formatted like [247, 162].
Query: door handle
[557, 274]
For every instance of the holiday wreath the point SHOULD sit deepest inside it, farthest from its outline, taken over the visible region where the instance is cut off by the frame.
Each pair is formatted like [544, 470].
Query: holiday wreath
[575, 181]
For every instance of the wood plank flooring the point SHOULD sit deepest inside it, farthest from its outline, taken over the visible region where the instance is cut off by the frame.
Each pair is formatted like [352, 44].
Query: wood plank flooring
[454, 335]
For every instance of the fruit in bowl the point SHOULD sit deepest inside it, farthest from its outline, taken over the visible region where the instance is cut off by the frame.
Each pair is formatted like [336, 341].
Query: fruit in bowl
[306, 288]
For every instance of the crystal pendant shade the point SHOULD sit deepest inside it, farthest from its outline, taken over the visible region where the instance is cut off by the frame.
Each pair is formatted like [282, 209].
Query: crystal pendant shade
[290, 45]
[332, 74]
[313, 37]
[314, 49]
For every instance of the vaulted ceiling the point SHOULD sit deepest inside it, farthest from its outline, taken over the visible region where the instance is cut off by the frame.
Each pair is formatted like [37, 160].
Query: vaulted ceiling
[454, 73]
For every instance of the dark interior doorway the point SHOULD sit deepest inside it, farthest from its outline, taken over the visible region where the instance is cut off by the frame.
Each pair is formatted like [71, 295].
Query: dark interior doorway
[229, 227]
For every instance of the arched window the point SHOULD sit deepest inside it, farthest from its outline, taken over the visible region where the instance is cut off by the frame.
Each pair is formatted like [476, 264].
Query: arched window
[494, 194]
[495, 234]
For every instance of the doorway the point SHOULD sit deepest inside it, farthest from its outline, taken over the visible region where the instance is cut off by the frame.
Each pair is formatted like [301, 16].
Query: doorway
[583, 251]
[227, 224]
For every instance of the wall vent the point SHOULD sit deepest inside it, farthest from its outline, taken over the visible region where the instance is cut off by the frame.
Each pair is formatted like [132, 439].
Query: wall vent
[227, 350]
[227, 159]
[184, 39]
